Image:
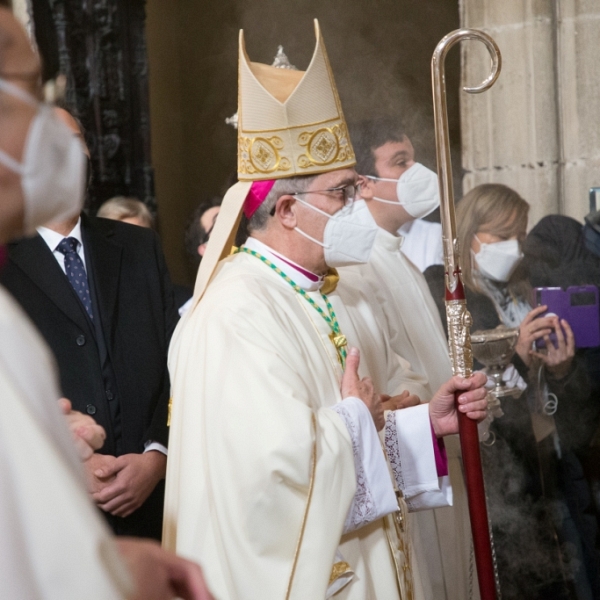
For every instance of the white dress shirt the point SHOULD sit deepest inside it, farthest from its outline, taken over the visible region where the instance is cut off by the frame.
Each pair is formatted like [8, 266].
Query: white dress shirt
[53, 239]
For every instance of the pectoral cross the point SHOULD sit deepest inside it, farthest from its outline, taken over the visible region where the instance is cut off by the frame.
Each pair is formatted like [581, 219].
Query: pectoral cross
[339, 341]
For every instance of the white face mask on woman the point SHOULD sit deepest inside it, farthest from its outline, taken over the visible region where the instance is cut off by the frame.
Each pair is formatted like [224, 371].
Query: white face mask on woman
[498, 260]
[417, 191]
[53, 168]
[349, 235]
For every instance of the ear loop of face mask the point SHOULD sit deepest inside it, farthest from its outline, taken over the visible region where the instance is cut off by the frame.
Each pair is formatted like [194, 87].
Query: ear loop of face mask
[473, 253]
[13, 90]
[308, 237]
[382, 200]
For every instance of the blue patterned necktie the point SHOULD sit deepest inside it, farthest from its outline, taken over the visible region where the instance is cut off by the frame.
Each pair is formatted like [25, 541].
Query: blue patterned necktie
[75, 272]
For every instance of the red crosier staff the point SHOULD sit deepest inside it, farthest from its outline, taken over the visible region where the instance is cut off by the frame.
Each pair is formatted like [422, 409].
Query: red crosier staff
[459, 319]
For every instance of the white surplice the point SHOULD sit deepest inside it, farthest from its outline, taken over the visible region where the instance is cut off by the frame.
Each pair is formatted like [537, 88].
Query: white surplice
[422, 243]
[406, 311]
[272, 474]
[53, 543]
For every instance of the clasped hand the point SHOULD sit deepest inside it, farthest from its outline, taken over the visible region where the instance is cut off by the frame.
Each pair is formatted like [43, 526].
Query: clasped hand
[403, 400]
[120, 485]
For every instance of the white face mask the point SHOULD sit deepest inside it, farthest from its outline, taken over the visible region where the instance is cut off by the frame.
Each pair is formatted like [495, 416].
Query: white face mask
[53, 167]
[349, 235]
[417, 191]
[497, 261]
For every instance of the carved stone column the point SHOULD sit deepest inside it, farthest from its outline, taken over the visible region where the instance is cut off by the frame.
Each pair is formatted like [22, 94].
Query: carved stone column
[101, 48]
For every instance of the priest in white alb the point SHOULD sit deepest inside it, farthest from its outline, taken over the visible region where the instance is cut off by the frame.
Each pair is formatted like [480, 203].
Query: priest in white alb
[397, 190]
[277, 479]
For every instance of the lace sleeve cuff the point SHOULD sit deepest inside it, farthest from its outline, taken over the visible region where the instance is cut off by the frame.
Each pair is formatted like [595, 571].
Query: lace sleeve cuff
[412, 456]
[374, 497]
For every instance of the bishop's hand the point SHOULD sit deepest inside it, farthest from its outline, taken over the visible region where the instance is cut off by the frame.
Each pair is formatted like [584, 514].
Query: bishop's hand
[353, 385]
[472, 402]
[403, 400]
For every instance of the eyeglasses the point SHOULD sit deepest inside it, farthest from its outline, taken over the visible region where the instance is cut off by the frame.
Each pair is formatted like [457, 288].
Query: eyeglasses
[343, 192]
[346, 193]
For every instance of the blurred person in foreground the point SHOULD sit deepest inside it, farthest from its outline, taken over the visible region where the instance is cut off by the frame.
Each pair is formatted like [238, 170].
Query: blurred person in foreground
[532, 475]
[397, 190]
[275, 420]
[53, 543]
[126, 210]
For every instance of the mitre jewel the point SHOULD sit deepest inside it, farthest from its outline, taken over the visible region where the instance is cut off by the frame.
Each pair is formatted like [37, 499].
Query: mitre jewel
[281, 61]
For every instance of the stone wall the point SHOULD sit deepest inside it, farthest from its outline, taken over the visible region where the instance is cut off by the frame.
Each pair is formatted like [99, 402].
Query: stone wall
[538, 129]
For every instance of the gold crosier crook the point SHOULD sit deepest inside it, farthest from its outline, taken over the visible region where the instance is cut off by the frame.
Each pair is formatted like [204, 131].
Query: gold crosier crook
[459, 319]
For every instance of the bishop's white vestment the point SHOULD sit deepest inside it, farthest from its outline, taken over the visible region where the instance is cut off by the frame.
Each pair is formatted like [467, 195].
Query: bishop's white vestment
[407, 313]
[54, 544]
[275, 483]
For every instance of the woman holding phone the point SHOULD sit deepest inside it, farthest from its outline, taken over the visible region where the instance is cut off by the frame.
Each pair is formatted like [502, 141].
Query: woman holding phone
[537, 512]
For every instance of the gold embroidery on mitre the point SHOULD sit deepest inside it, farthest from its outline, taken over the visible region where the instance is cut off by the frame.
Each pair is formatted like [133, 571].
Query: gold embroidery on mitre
[261, 155]
[339, 569]
[325, 146]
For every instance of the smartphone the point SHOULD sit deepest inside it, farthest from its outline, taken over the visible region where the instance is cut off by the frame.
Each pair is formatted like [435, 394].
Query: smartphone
[578, 305]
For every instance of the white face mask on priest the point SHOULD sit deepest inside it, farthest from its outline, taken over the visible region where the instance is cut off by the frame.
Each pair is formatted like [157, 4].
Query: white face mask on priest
[319, 219]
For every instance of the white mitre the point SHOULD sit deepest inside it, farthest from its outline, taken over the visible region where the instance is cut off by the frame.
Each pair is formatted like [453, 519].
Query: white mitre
[290, 122]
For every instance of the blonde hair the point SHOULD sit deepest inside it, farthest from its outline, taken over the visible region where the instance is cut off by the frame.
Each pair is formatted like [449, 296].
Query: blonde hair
[120, 207]
[491, 208]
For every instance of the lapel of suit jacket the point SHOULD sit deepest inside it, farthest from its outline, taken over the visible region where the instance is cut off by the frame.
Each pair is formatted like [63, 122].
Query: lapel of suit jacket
[104, 255]
[36, 260]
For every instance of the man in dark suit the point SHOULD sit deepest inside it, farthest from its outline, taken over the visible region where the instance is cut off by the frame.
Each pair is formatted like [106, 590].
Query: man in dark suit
[99, 292]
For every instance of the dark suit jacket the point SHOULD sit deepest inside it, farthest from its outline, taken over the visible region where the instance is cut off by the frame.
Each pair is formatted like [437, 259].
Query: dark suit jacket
[119, 359]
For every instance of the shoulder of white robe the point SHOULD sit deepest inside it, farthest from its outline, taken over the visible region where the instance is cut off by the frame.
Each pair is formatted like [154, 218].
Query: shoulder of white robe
[221, 239]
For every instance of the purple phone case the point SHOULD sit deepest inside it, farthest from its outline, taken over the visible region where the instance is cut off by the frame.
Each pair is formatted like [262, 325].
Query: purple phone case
[578, 305]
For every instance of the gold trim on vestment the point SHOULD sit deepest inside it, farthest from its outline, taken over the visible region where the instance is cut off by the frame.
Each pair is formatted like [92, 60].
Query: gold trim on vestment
[169, 411]
[339, 569]
[308, 501]
[404, 576]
